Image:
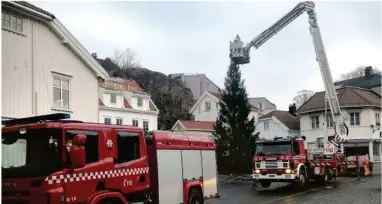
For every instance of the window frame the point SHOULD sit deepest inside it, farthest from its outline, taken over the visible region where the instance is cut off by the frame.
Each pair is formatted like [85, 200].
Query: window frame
[19, 24]
[261, 107]
[377, 119]
[91, 133]
[205, 105]
[132, 122]
[113, 96]
[143, 125]
[316, 121]
[266, 125]
[353, 118]
[105, 118]
[139, 101]
[126, 134]
[62, 78]
[329, 121]
[117, 119]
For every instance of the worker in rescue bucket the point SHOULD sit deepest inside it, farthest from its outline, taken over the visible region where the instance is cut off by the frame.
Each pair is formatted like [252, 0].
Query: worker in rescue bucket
[366, 164]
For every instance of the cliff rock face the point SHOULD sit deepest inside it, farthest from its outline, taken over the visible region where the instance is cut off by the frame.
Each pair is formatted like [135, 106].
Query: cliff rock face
[172, 98]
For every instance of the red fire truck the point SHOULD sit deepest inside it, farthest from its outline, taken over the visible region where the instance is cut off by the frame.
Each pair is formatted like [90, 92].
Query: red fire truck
[49, 160]
[287, 160]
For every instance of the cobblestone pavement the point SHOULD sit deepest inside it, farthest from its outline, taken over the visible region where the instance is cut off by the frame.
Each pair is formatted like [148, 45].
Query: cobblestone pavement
[348, 192]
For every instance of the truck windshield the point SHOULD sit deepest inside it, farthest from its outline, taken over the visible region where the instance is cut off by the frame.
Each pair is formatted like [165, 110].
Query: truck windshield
[32, 154]
[273, 148]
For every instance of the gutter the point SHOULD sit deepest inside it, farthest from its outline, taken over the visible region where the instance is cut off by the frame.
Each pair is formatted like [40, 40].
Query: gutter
[128, 110]
[27, 11]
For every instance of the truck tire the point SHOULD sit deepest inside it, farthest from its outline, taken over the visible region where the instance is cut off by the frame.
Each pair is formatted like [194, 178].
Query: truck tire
[265, 184]
[195, 197]
[301, 179]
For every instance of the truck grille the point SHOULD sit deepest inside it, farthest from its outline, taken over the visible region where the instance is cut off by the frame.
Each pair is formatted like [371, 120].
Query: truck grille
[271, 165]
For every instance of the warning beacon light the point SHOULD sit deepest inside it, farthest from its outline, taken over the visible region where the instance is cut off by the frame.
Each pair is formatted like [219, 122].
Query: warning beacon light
[36, 119]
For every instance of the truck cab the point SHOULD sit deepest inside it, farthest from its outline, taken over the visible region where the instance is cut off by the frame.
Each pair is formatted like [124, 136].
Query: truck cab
[50, 160]
[278, 160]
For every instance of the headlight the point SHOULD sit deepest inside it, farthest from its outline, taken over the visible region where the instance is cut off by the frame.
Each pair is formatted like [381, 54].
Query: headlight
[257, 171]
[288, 171]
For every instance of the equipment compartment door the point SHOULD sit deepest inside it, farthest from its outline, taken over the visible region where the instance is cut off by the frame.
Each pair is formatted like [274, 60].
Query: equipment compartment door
[209, 173]
[170, 182]
[192, 164]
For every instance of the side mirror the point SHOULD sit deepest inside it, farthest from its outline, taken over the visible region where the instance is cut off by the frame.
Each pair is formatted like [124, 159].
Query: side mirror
[77, 152]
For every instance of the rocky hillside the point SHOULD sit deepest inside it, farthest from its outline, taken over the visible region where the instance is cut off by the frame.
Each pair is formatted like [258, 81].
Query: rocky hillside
[171, 97]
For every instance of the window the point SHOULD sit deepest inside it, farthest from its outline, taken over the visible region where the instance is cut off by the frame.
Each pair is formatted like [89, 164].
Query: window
[199, 109]
[377, 119]
[128, 147]
[146, 125]
[135, 122]
[296, 148]
[61, 91]
[91, 145]
[266, 125]
[139, 102]
[119, 121]
[354, 118]
[261, 106]
[12, 22]
[107, 120]
[315, 122]
[217, 105]
[207, 105]
[329, 121]
[113, 98]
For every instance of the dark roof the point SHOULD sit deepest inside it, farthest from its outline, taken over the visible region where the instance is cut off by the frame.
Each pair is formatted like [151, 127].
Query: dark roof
[293, 123]
[347, 96]
[362, 82]
[35, 8]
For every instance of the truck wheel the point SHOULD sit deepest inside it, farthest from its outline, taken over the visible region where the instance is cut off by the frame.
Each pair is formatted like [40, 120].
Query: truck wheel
[301, 180]
[265, 184]
[195, 197]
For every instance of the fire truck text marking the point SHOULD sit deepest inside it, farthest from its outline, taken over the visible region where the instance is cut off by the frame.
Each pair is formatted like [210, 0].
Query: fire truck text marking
[127, 183]
[189, 138]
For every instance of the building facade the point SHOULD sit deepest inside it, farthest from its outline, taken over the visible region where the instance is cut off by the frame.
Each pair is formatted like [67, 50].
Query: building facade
[361, 109]
[207, 108]
[123, 102]
[263, 104]
[278, 124]
[44, 68]
[196, 127]
[197, 83]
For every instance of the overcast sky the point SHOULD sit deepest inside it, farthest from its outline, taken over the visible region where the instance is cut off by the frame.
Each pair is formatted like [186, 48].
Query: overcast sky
[190, 37]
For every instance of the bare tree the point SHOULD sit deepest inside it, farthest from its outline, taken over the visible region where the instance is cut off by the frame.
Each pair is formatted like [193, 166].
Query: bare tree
[125, 58]
[358, 72]
[302, 97]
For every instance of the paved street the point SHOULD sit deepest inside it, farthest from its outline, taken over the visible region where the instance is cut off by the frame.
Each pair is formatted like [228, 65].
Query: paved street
[348, 192]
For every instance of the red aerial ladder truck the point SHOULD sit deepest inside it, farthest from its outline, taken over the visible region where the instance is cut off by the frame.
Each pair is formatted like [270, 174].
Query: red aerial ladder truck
[49, 160]
[240, 54]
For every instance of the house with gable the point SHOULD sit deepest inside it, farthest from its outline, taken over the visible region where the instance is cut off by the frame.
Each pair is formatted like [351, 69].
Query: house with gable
[124, 102]
[205, 112]
[361, 109]
[278, 123]
[263, 104]
[45, 69]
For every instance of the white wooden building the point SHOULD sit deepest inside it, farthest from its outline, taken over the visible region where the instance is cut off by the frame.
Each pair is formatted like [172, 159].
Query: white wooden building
[124, 102]
[361, 109]
[44, 68]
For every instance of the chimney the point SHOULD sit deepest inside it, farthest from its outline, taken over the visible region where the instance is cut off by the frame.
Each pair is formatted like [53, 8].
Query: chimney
[292, 109]
[368, 72]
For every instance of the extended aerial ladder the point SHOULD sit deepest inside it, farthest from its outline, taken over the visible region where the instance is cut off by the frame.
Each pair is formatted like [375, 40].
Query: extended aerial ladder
[240, 54]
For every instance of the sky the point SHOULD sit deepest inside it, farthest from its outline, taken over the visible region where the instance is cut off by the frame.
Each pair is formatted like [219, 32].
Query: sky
[193, 37]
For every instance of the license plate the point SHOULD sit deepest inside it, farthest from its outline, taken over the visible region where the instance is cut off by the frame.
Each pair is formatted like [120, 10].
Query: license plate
[271, 175]
[317, 170]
